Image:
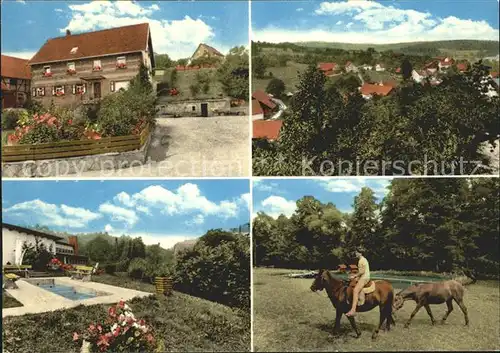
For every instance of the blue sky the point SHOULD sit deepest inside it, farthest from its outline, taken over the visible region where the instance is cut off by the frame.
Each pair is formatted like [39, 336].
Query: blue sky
[159, 211]
[364, 21]
[279, 196]
[176, 27]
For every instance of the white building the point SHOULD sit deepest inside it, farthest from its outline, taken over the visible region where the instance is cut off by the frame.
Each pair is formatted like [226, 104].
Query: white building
[416, 76]
[379, 67]
[14, 237]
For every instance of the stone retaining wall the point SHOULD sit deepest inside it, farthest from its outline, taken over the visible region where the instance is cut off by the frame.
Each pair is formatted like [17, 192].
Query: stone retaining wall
[76, 165]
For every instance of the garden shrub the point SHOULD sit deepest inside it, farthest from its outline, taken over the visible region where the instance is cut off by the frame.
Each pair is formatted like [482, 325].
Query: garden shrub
[137, 268]
[10, 118]
[110, 269]
[217, 268]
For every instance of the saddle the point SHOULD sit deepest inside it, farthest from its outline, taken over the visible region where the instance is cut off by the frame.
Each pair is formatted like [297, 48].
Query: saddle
[367, 289]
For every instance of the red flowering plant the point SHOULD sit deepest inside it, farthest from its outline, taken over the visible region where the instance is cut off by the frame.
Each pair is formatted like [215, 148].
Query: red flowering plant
[92, 132]
[59, 93]
[121, 332]
[47, 127]
[55, 264]
[141, 124]
[71, 71]
[96, 68]
[47, 74]
[121, 65]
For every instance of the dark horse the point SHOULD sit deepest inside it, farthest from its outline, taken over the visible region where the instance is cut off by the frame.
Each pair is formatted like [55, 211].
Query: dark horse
[433, 293]
[339, 292]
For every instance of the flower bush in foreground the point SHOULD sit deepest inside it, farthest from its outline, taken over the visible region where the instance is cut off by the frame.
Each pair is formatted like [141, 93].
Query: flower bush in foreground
[121, 332]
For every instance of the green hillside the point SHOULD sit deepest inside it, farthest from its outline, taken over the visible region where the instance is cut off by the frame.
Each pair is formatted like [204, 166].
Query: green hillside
[457, 48]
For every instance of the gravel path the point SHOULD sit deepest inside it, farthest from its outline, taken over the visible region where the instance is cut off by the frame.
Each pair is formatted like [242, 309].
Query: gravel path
[194, 147]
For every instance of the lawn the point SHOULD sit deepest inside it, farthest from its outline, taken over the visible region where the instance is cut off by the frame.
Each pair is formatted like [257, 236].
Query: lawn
[9, 302]
[183, 322]
[289, 317]
[288, 74]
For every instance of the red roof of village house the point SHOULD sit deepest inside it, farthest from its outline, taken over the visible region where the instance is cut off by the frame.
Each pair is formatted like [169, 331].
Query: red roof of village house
[446, 61]
[368, 89]
[127, 39]
[327, 66]
[267, 129]
[256, 108]
[262, 97]
[462, 66]
[15, 68]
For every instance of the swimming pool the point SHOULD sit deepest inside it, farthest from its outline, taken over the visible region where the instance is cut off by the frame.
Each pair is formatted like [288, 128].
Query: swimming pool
[66, 291]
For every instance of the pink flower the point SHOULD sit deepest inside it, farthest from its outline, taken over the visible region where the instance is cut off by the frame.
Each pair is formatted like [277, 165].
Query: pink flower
[99, 328]
[142, 322]
[112, 311]
[75, 336]
[91, 327]
[121, 304]
[103, 342]
[117, 331]
[70, 121]
[150, 338]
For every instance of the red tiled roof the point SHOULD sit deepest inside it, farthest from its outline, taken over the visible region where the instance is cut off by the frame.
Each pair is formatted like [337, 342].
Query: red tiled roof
[256, 108]
[368, 89]
[267, 129]
[262, 97]
[446, 61]
[462, 66]
[431, 65]
[15, 68]
[327, 66]
[127, 39]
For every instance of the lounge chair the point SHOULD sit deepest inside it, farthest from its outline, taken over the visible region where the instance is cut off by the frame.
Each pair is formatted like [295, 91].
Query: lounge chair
[84, 272]
[17, 269]
[10, 281]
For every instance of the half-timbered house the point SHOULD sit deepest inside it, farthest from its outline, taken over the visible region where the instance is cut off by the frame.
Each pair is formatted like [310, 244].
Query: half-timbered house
[16, 81]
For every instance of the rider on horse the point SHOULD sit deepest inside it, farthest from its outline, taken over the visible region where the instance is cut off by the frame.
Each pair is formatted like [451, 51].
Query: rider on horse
[363, 276]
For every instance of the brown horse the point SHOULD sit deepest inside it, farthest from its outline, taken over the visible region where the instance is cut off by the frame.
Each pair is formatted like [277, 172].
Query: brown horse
[339, 293]
[433, 293]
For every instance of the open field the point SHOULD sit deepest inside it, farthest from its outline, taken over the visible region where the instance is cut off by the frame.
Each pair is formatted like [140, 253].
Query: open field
[288, 74]
[183, 322]
[288, 316]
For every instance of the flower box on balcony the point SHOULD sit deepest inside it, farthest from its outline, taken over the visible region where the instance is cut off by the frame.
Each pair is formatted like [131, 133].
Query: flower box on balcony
[71, 71]
[121, 66]
[59, 94]
[96, 68]
[47, 74]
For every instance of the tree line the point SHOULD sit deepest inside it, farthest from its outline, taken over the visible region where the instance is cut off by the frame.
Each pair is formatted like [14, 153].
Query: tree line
[437, 224]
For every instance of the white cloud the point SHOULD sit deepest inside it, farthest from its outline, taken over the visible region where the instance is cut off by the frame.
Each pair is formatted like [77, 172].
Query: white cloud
[21, 2]
[184, 200]
[58, 10]
[108, 228]
[381, 23]
[246, 199]
[196, 221]
[20, 54]
[177, 37]
[354, 185]
[119, 214]
[300, 9]
[274, 206]
[38, 211]
[339, 23]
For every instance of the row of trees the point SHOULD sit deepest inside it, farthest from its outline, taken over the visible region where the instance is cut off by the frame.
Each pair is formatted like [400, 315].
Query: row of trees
[440, 225]
[414, 123]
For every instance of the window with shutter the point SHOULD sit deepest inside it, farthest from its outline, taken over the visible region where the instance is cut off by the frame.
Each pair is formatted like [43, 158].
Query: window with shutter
[74, 89]
[53, 91]
[33, 92]
[112, 88]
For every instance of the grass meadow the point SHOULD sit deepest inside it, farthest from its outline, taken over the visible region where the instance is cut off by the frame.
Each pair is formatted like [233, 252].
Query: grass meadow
[288, 316]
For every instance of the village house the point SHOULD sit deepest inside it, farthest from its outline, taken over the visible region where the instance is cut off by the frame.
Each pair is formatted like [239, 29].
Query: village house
[350, 67]
[368, 90]
[267, 129]
[418, 78]
[379, 67]
[329, 69]
[16, 81]
[14, 237]
[445, 63]
[83, 68]
[262, 105]
[367, 67]
[463, 66]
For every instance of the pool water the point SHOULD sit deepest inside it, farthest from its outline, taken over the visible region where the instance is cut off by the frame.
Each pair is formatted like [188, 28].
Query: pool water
[67, 292]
